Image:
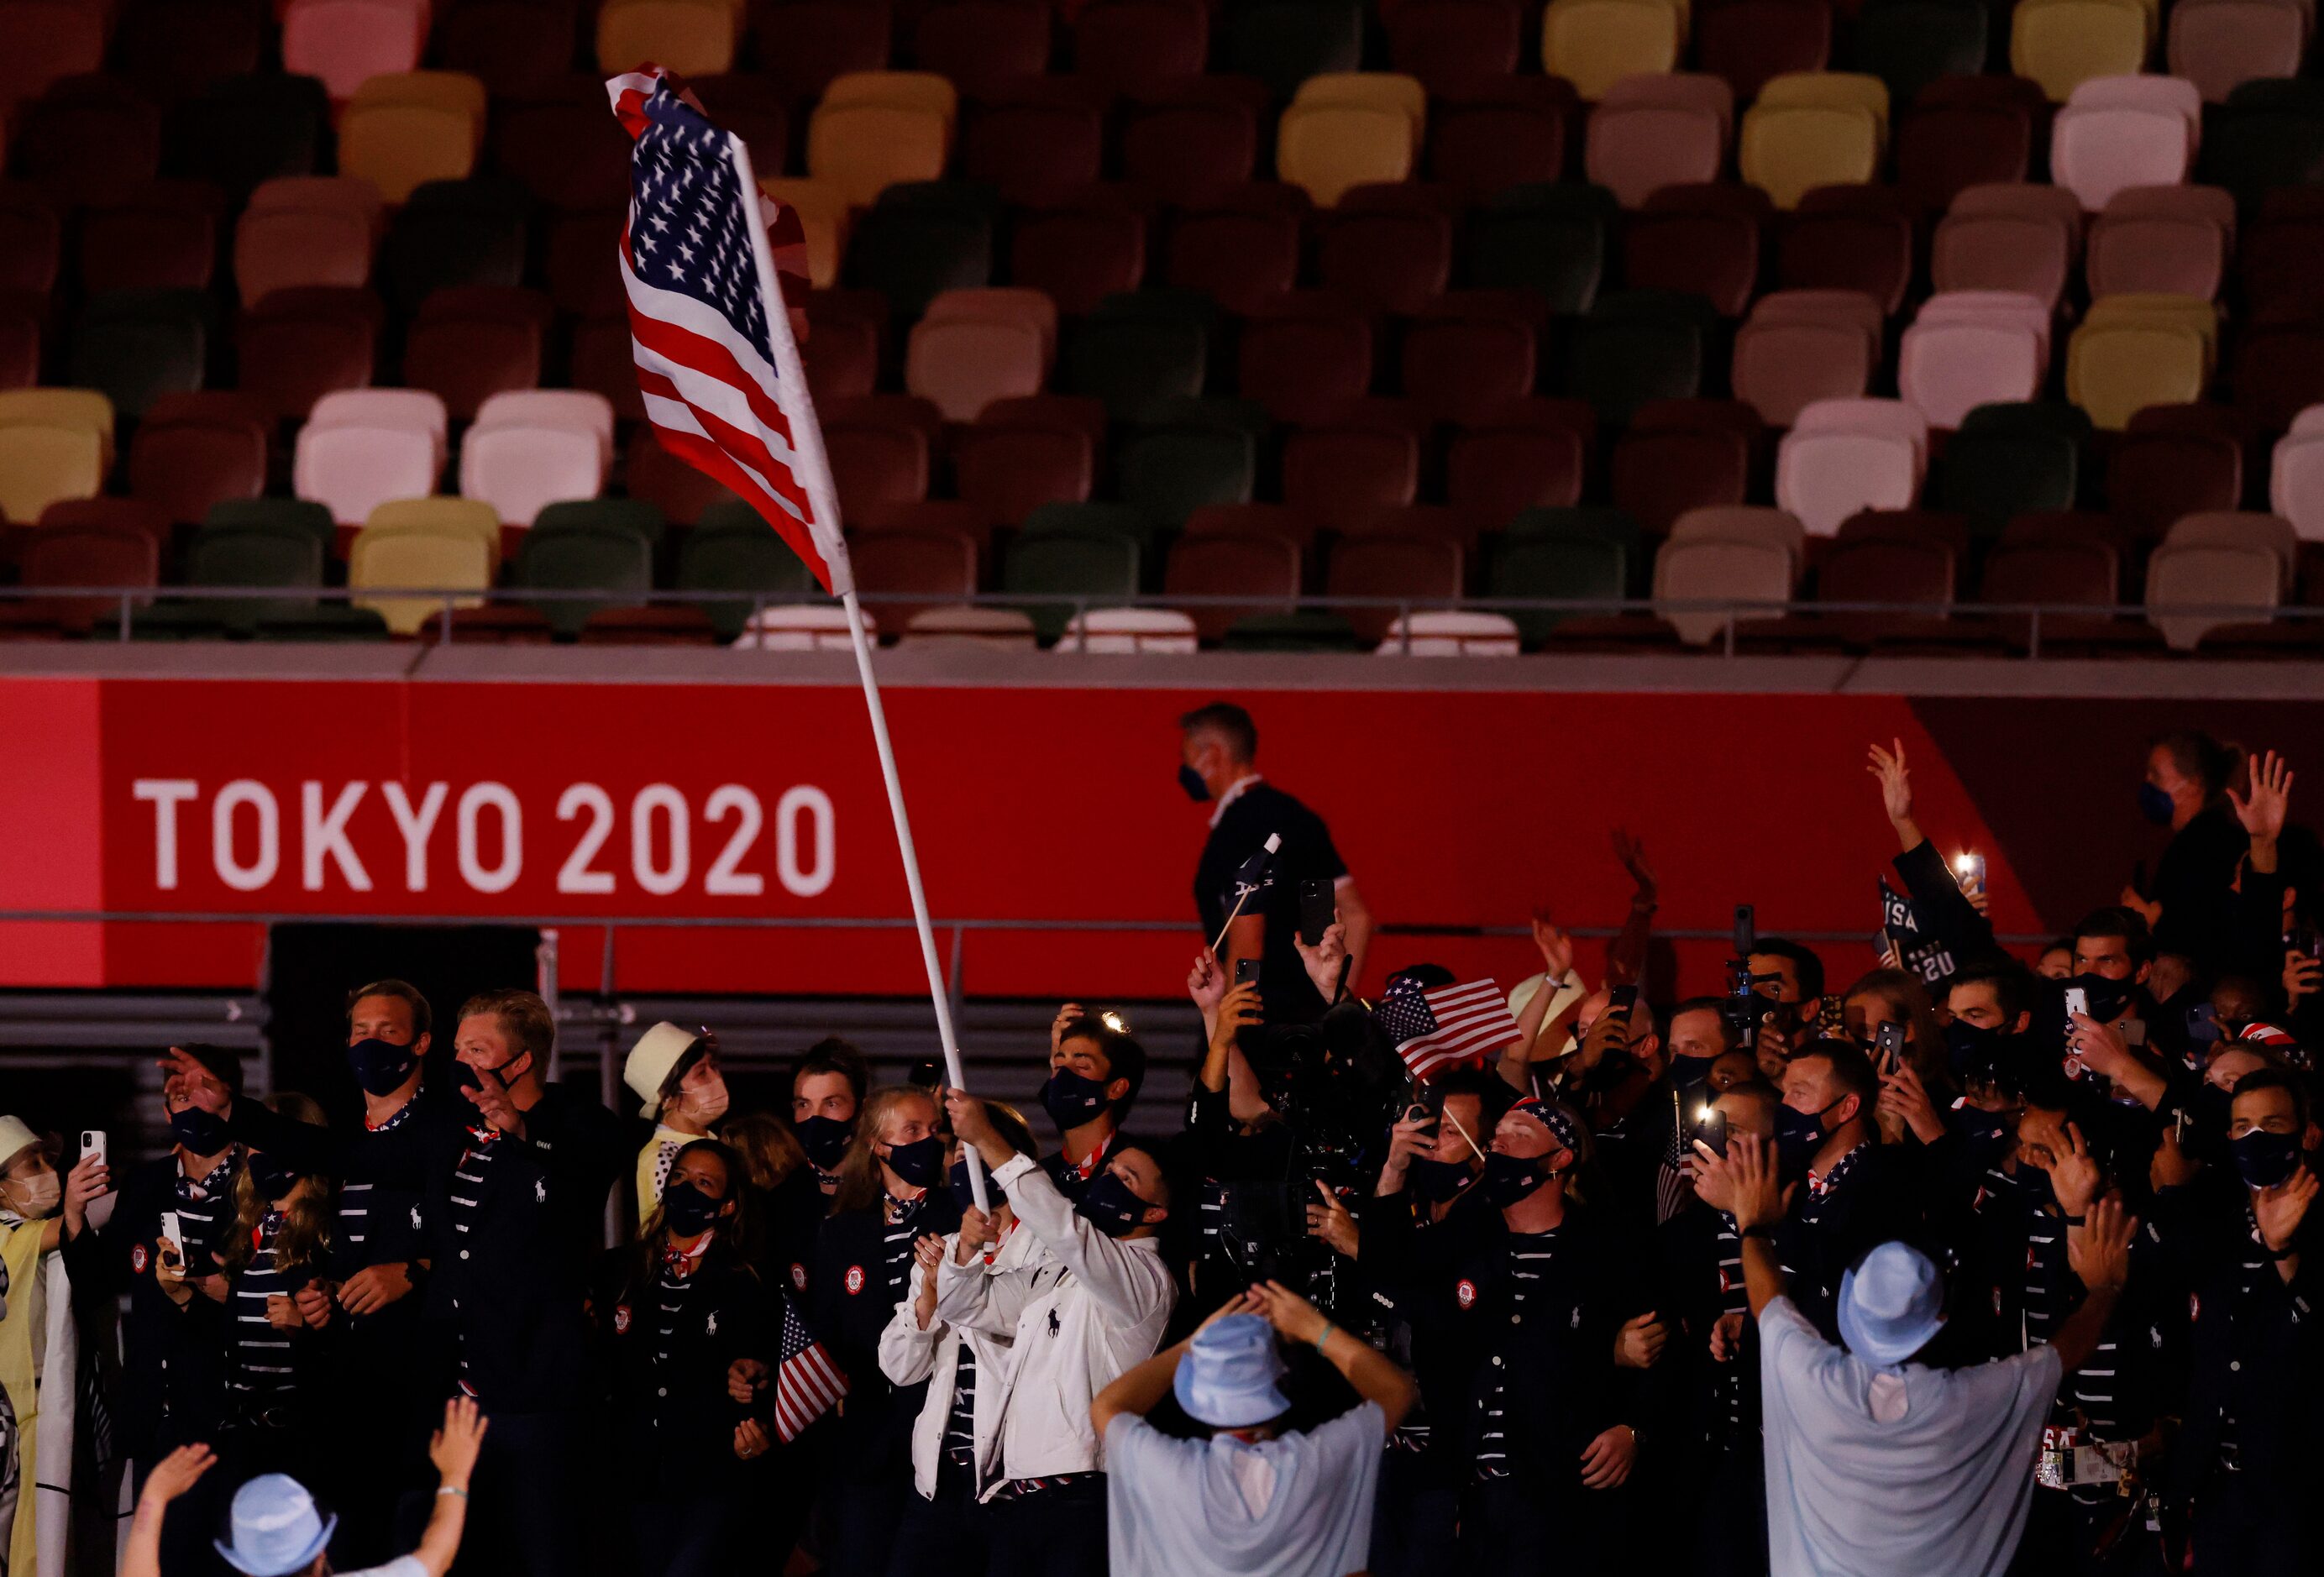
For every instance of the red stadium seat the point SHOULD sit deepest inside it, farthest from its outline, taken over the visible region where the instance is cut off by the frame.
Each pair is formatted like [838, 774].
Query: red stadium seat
[881, 447]
[1023, 453]
[1304, 355]
[1259, 565]
[22, 318]
[295, 345]
[1748, 42]
[1391, 568]
[194, 450]
[1352, 467]
[980, 42]
[2157, 473]
[1389, 244]
[582, 270]
[1441, 40]
[1200, 142]
[925, 569]
[1847, 239]
[1682, 454]
[1943, 149]
[88, 554]
[1033, 151]
[512, 46]
[679, 491]
[750, 103]
[174, 49]
[88, 140]
[1487, 134]
[604, 361]
[803, 44]
[32, 239]
[1134, 46]
[1081, 251]
[1651, 131]
[42, 42]
[472, 342]
[556, 138]
[1529, 453]
[1470, 353]
[846, 335]
[2278, 371]
[1704, 240]
[161, 236]
[1243, 256]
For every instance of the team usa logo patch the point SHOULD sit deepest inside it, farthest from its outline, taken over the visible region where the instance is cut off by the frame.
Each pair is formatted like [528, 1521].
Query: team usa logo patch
[137, 1258]
[621, 1319]
[1465, 1294]
[854, 1279]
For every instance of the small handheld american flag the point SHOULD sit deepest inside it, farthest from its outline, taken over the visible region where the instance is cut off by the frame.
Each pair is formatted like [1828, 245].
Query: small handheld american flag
[717, 362]
[1433, 1030]
[807, 1382]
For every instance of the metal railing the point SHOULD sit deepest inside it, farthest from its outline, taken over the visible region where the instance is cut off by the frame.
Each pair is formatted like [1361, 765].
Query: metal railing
[2018, 625]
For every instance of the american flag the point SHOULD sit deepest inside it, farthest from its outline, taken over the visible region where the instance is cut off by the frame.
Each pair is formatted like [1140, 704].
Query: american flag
[1435, 1030]
[717, 362]
[807, 1382]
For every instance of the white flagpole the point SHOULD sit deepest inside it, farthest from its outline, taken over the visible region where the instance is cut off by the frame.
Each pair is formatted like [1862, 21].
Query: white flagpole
[813, 471]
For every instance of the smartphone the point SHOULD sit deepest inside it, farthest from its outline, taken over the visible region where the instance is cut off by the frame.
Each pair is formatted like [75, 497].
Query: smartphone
[173, 1236]
[1746, 931]
[1711, 1128]
[2078, 1001]
[93, 1143]
[1889, 1040]
[1621, 999]
[2203, 1024]
[1246, 972]
[1319, 907]
[1969, 871]
[2305, 941]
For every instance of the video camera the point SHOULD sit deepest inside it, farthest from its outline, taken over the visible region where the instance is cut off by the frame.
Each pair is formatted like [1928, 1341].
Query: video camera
[1746, 1012]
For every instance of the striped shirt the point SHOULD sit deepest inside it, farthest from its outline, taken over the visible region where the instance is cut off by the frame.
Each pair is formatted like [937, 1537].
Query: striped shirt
[1728, 1379]
[260, 1375]
[468, 1196]
[200, 1206]
[1530, 1257]
[901, 1218]
[959, 1445]
[356, 1200]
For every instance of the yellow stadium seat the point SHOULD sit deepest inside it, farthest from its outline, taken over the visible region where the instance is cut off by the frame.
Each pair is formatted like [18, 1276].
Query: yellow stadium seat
[83, 409]
[1828, 90]
[2062, 43]
[402, 130]
[2157, 352]
[440, 514]
[1325, 149]
[420, 557]
[823, 208]
[693, 37]
[1787, 152]
[861, 149]
[40, 465]
[895, 90]
[1369, 90]
[1595, 44]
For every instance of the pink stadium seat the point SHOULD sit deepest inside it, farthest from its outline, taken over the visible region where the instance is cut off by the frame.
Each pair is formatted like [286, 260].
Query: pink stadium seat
[530, 448]
[364, 448]
[2296, 475]
[2220, 45]
[345, 42]
[1845, 456]
[1968, 349]
[2125, 130]
[1656, 130]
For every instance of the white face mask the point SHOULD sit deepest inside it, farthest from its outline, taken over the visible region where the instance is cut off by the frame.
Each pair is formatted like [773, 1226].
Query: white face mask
[35, 1198]
[705, 1103]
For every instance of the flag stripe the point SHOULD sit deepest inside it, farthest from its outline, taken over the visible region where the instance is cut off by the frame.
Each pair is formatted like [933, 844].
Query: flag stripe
[1454, 1024]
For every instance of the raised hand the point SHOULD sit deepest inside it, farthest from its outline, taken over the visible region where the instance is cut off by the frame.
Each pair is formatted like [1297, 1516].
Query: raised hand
[2100, 1046]
[1291, 1316]
[1742, 1182]
[1239, 1009]
[1206, 984]
[2302, 976]
[1322, 961]
[1330, 1221]
[1895, 779]
[175, 1474]
[455, 1446]
[89, 1181]
[1904, 1097]
[1066, 1013]
[976, 1231]
[2262, 812]
[1632, 852]
[2281, 1209]
[1557, 947]
[490, 1098]
[183, 1076]
[2074, 1174]
[2099, 1248]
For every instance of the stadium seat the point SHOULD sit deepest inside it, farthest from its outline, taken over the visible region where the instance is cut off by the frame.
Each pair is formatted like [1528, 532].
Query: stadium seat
[2278, 371]
[1813, 129]
[1470, 353]
[2296, 475]
[471, 342]
[2019, 238]
[826, 215]
[1349, 468]
[1168, 472]
[1450, 633]
[1673, 459]
[245, 130]
[1441, 40]
[88, 554]
[1845, 456]
[175, 48]
[55, 444]
[731, 549]
[904, 574]
[1700, 240]
[362, 447]
[921, 240]
[1023, 453]
[1489, 133]
[693, 37]
[1098, 569]
[2213, 562]
[2218, 45]
[1391, 246]
[877, 128]
[1131, 46]
[1283, 42]
[1200, 142]
[419, 552]
[804, 45]
[2136, 351]
[192, 450]
[1651, 131]
[1549, 567]
[2118, 132]
[513, 47]
[1639, 346]
[881, 449]
[345, 42]
[2158, 471]
[557, 139]
[1242, 255]
[2269, 135]
[1595, 44]
[1304, 355]
[975, 347]
[1140, 348]
[1847, 239]
[1551, 240]
[1080, 253]
[400, 131]
[162, 236]
[977, 43]
[454, 233]
[87, 140]
[583, 557]
[1259, 566]
[22, 318]
[1945, 146]
[32, 239]
[305, 230]
[2063, 43]
[41, 44]
[1750, 43]
[1968, 349]
[2161, 240]
[1528, 454]
[1710, 571]
[1991, 477]
[1799, 346]
[528, 451]
[1910, 43]
[283, 557]
[1391, 568]
[1034, 149]
[135, 346]
[1349, 129]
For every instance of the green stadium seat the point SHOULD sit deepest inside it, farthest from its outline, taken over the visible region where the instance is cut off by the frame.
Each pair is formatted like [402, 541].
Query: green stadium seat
[584, 558]
[273, 553]
[1099, 566]
[730, 549]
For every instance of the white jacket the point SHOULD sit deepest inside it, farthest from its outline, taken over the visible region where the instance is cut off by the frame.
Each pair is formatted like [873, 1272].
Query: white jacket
[1083, 1310]
[909, 1355]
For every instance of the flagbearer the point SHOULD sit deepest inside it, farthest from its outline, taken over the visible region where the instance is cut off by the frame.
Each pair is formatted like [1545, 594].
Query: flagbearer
[1218, 750]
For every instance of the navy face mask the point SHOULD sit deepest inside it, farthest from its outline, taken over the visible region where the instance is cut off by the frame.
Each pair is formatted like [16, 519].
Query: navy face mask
[1071, 1100]
[273, 1178]
[1797, 1135]
[919, 1163]
[1969, 1048]
[203, 1133]
[824, 1139]
[1690, 1070]
[380, 1066]
[2154, 805]
[1977, 1126]
[1433, 1180]
[1191, 782]
[1513, 1179]
[1111, 1207]
[2106, 998]
[2265, 1159]
[687, 1210]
